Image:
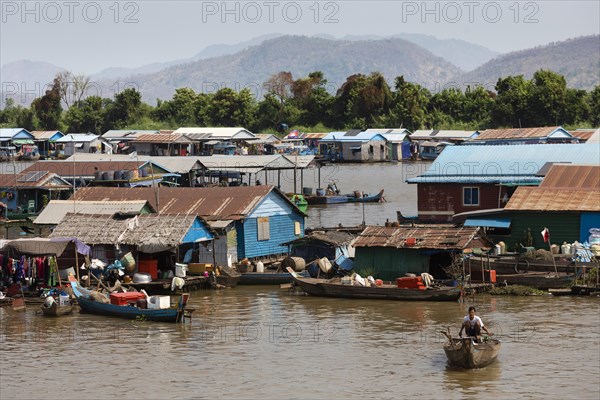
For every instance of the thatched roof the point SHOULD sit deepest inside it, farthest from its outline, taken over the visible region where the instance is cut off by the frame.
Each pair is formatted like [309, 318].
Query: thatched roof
[168, 230]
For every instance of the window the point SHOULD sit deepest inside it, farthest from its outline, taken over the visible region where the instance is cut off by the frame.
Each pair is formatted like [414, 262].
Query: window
[470, 196]
[297, 228]
[263, 228]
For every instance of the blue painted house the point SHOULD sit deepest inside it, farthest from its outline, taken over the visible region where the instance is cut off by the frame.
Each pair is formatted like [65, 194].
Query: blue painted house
[15, 136]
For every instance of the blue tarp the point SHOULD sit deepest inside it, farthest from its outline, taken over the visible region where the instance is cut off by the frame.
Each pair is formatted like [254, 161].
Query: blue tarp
[406, 150]
[488, 222]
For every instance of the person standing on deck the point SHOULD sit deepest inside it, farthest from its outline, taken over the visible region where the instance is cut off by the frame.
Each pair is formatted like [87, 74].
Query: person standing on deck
[473, 325]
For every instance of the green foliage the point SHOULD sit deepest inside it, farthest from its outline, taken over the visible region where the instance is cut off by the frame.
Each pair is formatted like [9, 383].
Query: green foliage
[516, 290]
[363, 101]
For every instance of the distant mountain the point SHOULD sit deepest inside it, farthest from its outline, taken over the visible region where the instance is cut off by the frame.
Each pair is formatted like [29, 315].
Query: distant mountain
[214, 50]
[578, 60]
[29, 77]
[337, 59]
[467, 56]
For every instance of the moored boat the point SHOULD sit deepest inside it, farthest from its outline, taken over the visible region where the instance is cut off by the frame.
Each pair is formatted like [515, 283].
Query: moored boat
[468, 353]
[335, 288]
[55, 309]
[89, 302]
[356, 197]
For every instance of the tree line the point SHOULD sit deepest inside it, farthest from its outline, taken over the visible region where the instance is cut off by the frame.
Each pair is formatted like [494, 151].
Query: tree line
[361, 102]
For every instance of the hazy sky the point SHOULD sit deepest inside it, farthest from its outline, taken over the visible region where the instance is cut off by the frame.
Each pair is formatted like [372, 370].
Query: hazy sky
[88, 36]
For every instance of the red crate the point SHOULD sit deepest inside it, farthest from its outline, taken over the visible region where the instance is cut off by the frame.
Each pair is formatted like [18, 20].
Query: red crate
[123, 299]
[149, 266]
[410, 282]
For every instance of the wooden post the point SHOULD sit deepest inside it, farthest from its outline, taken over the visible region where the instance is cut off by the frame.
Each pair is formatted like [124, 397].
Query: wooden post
[76, 262]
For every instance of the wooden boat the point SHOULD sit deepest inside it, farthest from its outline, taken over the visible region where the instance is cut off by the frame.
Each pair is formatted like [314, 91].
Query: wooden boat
[87, 304]
[538, 280]
[268, 278]
[467, 353]
[334, 288]
[299, 201]
[56, 310]
[228, 276]
[356, 197]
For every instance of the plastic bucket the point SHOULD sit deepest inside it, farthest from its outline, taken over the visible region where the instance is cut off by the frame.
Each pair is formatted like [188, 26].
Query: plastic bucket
[320, 192]
[307, 191]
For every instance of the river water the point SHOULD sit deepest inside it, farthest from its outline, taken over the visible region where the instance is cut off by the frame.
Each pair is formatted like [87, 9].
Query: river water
[265, 343]
[370, 178]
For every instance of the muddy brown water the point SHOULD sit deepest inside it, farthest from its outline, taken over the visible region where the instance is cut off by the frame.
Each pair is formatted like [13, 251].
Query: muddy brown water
[262, 342]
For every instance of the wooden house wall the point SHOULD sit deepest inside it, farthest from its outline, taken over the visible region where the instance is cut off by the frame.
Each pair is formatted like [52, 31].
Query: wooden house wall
[389, 263]
[437, 202]
[282, 218]
[380, 151]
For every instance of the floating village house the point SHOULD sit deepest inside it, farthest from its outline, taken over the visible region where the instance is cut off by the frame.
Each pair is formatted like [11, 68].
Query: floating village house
[251, 221]
[73, 143]
[120, 140]
[334, 245]
[46, 142]
[391, 252]
[126, 173]
[585, 134]
[206, 138]
[156, 241]
[354, 146]
[27, 192]
[567, 202]
[398, 142]
[545, 134]
[471, 178]
[431, 142]
[11, 140]
[163, 144]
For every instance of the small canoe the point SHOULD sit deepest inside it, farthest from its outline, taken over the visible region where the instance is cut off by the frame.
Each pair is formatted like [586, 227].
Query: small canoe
[56, 310]
[467, 353]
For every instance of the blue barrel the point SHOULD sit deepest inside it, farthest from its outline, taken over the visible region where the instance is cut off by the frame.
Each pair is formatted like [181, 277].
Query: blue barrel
[320, 192]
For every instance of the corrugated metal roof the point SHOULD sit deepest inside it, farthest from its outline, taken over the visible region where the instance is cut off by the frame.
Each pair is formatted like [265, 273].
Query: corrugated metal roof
[227, 132]
[573, 177]
[216, 203]
[161, 138]
[552, 199]
[82, 168]
[116, 134]
[433, 237]
[506, 160]
[243, 163]
[426, 134]
[8, 133]
[300, 161]
[108, 157]
[389, 131]
[395, 137]
[520, 133]
[55, 211]
[33, 179]
[314, 135]
[506, 179]
[40, 135]
[267, 137]
[352, 136]
[583, 134]
[77, 137]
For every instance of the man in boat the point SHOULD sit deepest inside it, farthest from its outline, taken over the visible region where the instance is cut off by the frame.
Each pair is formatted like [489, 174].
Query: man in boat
[473, 325]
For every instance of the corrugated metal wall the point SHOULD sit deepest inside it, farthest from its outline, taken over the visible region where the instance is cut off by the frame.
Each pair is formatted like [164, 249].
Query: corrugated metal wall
[390, 263]
[563, 227]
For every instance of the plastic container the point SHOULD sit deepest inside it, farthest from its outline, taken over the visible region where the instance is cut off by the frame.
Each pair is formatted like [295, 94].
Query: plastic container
[497, 249]
[159, 302]
[320, 192]
[199, 268]
[502, 247]
[63, 300]
[123, 299]
[307, 191]
[378, 282]
[260, 267]
[410, 282]
[411, 241]
[180, 270]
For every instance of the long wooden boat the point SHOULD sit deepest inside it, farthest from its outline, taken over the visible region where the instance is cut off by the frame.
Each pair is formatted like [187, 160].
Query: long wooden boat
[334, 288]
[467, 353]
[512, 264]
[87, 304]
[538, 280]
[56, 310]
[268, 277]
[345, 198]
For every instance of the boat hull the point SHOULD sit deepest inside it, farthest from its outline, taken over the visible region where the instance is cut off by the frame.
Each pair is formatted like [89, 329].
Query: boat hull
[266, 278]
[55, 310]
[465, 353]
[344, 198]
[323, 288]
[538, 280]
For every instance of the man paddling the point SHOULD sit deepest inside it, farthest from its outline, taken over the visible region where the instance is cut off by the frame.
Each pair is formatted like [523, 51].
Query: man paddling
[473, 325]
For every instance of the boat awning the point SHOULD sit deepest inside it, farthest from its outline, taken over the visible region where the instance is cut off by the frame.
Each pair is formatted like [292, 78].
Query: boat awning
[488, 222]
